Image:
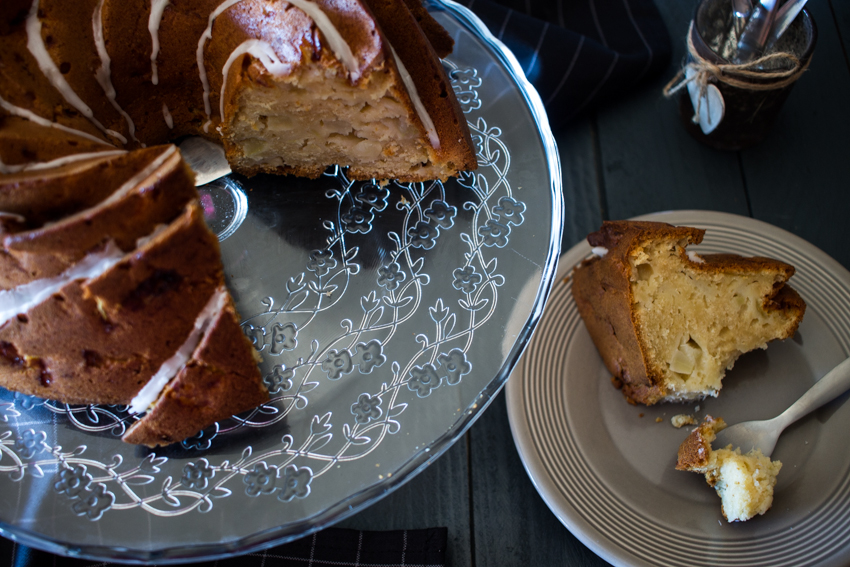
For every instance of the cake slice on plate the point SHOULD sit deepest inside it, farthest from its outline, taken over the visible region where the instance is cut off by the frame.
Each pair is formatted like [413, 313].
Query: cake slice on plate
[669, 323]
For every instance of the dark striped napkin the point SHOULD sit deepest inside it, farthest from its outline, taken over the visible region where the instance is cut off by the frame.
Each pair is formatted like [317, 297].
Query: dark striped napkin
[331, 547]
[579, 53]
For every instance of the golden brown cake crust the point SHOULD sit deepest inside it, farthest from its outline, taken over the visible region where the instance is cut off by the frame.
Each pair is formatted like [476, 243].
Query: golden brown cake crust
[603, 293]
[47, 251]
[185, 98]
[100, 340]
[695, 449]
[400, 27]
[220, 380]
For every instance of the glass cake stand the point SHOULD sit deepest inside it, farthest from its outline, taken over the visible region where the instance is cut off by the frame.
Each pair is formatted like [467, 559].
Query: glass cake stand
[387, 318]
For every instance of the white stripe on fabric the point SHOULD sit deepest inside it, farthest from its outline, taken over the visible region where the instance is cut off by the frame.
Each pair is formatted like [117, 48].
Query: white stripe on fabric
[505, 24]
[596, 22]
[404, 549]
[537, 49]
[359, 547]
[567, 74]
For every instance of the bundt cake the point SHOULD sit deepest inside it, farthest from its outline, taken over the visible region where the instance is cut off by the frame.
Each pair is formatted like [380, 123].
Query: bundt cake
[668, 323]
[287, 86]
[111, 285]
[121, 300]
[744, 482]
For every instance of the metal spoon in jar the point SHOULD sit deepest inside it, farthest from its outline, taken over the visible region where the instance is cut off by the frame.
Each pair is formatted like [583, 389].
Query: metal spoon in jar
[763, 435]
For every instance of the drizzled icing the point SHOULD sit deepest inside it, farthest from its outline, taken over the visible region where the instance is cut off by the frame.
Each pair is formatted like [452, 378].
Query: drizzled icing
[58, 161]
[169, 121]
[199, 54]
[24, 297]
[104, 74]
[157, 8]
[335, 40]
[48, 67]
[171, 367]
[121, 192]
[33, 117]
[259, 49]
[433, 137]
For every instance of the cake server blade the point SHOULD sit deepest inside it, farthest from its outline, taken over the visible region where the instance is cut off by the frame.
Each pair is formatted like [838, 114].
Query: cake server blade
[205, 158]
[763, 435]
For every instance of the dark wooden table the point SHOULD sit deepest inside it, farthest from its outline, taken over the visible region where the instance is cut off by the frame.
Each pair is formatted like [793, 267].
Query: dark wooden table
[628, 159]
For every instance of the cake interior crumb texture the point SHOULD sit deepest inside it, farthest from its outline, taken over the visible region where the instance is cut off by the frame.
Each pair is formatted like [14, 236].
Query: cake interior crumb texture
[315, 117]
[744, 482]
[694, 322]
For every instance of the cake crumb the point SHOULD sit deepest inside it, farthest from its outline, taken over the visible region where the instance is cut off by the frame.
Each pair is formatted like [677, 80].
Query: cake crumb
[658, 420]
[640, 415]
[682, 420]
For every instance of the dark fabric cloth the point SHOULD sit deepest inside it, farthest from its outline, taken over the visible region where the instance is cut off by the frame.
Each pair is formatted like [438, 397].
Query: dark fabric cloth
[331, 547]
[579, 53]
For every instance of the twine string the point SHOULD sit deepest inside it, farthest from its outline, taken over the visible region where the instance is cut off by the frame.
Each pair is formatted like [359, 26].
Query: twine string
[746, 76]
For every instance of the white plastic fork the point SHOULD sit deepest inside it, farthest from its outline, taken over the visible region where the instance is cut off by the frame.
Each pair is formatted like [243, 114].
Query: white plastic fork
[764, 434]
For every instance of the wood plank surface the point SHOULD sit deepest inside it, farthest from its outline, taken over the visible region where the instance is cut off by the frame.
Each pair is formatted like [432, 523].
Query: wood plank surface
[649, 162]
[799, 177]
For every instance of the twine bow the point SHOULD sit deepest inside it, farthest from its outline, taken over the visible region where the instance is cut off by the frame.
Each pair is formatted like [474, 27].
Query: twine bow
[745, 76]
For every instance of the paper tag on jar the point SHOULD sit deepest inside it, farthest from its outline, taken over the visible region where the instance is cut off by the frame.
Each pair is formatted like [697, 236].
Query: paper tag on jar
[710, 104]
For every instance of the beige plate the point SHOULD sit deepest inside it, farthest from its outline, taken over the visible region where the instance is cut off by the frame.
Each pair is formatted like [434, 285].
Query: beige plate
[605, 467]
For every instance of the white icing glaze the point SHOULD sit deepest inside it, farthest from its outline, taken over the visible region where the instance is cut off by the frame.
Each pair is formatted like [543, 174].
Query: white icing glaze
[259, 49]
[158, 229]
[599, 251]
[199, 54]
[694, 257]
[24, 297]
[33, 117]
[333, 37]
[36, 47]
[121, 192]
[171, 367]
[433, 137]
[13, 216]
[104, 74]
[337, 44]
[58, 161]
[169, 121]
[157, 8]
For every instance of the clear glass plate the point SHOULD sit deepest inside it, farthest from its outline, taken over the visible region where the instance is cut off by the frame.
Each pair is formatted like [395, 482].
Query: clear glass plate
[387, 318]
